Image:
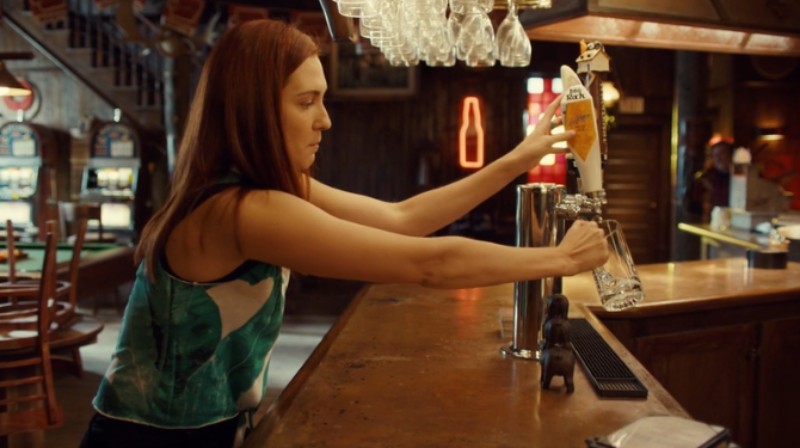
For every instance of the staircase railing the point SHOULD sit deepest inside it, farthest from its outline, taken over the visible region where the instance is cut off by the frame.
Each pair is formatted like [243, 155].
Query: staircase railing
[89, 46]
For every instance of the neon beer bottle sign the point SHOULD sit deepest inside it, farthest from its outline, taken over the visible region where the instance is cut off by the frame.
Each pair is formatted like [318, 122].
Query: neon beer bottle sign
[470, 136]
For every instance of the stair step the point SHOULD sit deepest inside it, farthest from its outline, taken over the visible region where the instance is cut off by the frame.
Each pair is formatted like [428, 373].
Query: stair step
[102, 75]
[16, 4]
[151, 116]
[82, 56]
[129, 95]
[125, 89]
[58, 37]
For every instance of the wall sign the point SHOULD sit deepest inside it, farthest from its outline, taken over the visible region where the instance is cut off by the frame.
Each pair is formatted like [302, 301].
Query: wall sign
[28, 105]
[470, 136]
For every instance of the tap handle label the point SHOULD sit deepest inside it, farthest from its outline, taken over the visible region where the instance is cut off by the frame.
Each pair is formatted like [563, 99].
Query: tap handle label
[579, 117]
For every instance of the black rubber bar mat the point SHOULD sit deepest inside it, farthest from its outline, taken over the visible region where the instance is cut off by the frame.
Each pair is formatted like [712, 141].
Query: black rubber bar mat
[608, 374]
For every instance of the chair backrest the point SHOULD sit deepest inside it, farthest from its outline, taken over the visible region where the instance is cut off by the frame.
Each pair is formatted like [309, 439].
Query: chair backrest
[75, 261]
[10, 246]
[26, 372]
[47, 288]
[70, 214]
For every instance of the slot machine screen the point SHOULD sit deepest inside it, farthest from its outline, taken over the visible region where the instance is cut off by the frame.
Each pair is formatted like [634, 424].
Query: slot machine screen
[24, 148]
[111, 181]
[20, 213]
[17, 182]
[115, 215]
[123, 148]
[8, 177]
[125, 179]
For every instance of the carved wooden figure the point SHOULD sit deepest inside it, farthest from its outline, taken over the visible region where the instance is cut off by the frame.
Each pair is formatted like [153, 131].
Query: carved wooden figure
[558, 358]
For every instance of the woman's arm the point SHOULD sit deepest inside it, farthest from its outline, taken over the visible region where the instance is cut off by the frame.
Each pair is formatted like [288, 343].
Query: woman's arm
[284, 230]
[429, 211]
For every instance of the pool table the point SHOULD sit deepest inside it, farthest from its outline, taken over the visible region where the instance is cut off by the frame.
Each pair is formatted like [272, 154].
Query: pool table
[103, 266]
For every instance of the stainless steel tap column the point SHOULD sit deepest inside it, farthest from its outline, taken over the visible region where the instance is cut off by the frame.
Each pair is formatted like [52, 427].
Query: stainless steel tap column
[537, 226]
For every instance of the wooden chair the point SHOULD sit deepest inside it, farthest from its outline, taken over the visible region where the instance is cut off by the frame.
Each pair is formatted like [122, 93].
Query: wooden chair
[10, 246]
[11, 258]
[71, 213]
[66, 303]
[72, 296]
[78, 238]
[71, 217]
[28, 400]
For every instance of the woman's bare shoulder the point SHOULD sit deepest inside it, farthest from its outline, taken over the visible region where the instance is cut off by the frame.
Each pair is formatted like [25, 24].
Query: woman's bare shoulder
[203, 246]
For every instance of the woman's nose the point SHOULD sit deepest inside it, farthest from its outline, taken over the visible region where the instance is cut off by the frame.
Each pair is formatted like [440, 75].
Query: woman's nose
[324, 120]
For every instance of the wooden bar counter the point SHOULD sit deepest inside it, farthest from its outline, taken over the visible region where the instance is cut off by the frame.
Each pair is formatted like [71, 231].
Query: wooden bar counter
[407, 366]
[722, 338]
[702, 285]
[729, 240]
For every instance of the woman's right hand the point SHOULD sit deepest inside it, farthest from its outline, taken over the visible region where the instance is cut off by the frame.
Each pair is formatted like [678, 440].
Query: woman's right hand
[540, 142]
[585, 244]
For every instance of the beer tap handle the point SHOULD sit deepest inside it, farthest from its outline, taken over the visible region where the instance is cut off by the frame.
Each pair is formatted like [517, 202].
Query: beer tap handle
[580, 116]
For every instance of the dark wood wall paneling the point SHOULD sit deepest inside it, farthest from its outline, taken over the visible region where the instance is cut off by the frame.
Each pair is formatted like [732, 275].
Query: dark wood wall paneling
[637, 174]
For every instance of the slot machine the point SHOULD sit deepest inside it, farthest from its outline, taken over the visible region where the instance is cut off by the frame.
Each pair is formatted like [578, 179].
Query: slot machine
[29, 185]
[111, 178]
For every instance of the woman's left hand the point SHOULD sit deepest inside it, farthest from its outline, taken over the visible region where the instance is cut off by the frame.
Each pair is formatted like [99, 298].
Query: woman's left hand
[530, 151]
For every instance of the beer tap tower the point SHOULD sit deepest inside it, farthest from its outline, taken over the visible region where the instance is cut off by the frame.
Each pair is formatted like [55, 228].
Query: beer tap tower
[544, 209]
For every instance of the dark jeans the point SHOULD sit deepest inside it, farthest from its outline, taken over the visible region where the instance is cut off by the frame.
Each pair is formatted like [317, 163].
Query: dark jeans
[107, 432]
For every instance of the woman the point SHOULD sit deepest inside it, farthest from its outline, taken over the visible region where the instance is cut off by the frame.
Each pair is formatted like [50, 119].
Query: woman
[207, 303]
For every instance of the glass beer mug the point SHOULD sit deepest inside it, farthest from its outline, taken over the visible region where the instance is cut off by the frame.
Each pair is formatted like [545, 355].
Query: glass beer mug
[617, 281]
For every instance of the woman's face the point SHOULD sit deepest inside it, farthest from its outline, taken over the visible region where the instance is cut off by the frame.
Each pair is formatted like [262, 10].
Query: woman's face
[303, 114]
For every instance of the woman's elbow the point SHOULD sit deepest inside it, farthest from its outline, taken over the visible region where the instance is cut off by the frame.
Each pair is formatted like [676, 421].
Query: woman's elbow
[438, 270]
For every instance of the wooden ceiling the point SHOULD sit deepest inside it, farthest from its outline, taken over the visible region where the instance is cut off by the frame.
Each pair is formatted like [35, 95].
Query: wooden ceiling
[283, 4]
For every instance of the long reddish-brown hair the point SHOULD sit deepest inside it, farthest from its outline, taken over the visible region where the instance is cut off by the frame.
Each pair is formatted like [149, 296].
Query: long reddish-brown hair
[233, 124]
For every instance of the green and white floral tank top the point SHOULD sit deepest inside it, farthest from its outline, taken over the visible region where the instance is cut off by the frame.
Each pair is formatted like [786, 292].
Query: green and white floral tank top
[194, 354]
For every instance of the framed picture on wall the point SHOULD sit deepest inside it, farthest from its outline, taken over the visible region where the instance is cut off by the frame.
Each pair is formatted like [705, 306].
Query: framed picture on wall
[361, 70]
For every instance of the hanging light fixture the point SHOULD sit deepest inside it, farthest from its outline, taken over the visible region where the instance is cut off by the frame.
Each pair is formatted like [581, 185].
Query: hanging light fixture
[770, 133]
[440, 32]
[610, 94]
[9, 85]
